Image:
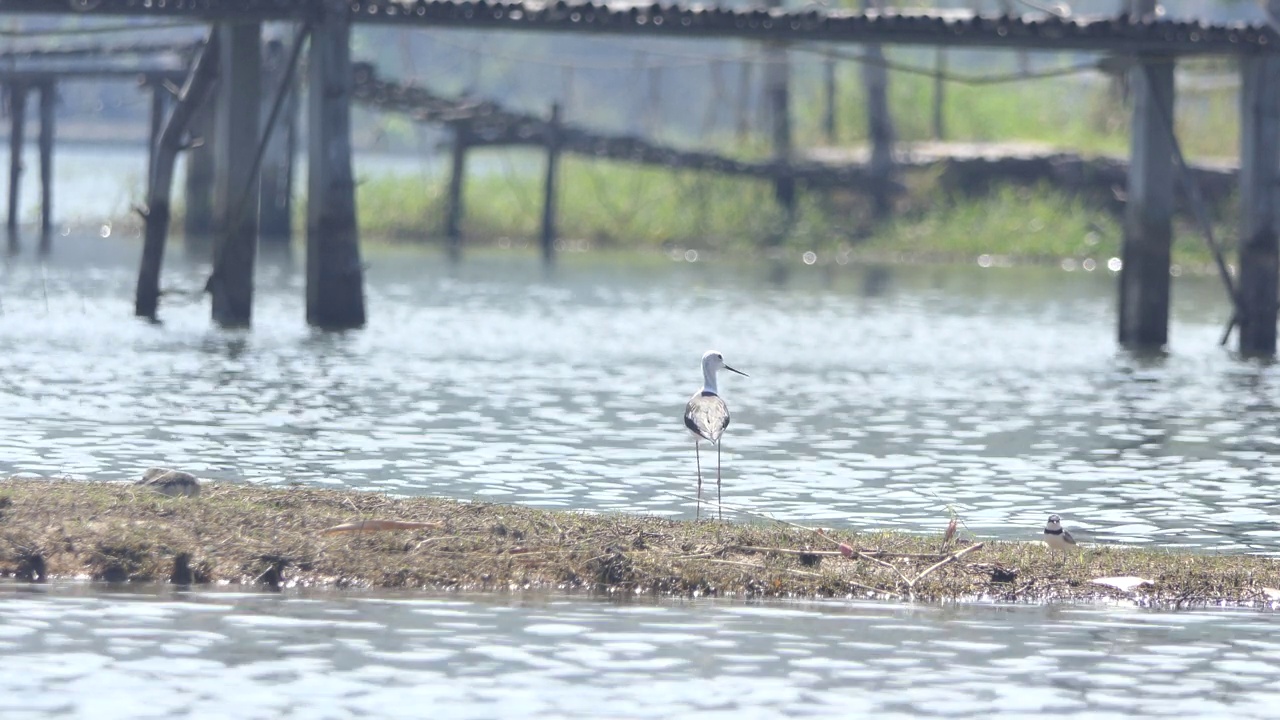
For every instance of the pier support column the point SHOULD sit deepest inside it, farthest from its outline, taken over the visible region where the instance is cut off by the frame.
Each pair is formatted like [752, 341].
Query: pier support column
[335, 277]
[275, 206]
[879, 123]
[777, 91]
[197, 221]
[17, 127]
[1148, 231]
[48, 102]
[1259, 251]
[549, 196]
[457, 180]
[829, 101]
[234, 196]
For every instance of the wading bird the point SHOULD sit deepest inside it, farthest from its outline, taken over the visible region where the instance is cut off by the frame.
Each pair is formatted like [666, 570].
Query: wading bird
[706, 415]
[1057, 537]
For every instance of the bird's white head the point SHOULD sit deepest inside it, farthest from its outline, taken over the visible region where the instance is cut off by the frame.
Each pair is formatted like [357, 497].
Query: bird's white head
[711, 362]
[1055, 523]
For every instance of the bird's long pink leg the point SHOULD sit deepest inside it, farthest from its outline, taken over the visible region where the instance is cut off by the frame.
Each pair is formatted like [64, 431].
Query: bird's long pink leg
[697, 454]
[719, 507]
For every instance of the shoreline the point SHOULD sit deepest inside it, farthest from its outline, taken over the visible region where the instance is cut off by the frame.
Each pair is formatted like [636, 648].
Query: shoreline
[233, 533]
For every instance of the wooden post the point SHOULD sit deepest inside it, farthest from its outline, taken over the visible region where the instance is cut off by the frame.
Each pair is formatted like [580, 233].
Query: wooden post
[742, 123]
[335, 284]
[48, 102]
[457, 180]
[236, 127]
[275, 204]
[17, 124]
[939, 93]
[880, 124]
[829, 98]
[1259, 251]
[1148, 233]
[777, 84]
[549, 197]
[197, 222]
[195, 90]
[158, 92]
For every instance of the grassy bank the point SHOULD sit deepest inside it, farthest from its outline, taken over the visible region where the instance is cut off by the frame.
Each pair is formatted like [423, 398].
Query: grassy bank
[608, 205]
[277, 537]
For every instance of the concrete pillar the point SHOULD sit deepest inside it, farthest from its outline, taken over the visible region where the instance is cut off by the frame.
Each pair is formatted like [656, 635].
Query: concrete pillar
[1259, 252]
[1148, 229]
[335, 277]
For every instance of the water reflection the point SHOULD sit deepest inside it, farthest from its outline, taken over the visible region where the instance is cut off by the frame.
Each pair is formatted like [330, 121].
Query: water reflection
[879, 395]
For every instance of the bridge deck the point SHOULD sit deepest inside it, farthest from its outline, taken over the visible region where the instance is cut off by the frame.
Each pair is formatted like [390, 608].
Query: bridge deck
[938, 28]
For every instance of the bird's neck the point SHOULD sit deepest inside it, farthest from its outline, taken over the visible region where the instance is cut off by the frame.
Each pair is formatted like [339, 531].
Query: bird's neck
[709, 380]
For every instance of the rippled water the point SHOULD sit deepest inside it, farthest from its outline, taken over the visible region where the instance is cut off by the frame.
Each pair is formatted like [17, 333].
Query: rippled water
[877, 396]
[70, 650]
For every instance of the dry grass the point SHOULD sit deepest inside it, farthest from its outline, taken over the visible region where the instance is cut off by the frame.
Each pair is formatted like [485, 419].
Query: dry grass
[274, 536]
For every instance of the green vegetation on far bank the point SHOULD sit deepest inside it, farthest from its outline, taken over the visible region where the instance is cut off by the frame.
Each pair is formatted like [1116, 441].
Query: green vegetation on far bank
[276, 536]
[609, 205]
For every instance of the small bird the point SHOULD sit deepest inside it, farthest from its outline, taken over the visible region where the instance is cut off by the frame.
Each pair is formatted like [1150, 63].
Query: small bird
[1058, 537]
[706, 415]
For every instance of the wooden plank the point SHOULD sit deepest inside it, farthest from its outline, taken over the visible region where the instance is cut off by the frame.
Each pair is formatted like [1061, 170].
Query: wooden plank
[236, 127]
[457, 181]
[48, 102]
[548, 236]
[275, 204]
[335, 276]
[17, 127]
[1259, 250]
[1148, 230]
[195, 90]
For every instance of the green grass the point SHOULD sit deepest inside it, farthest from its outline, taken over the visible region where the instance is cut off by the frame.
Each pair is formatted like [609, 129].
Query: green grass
[609, 205]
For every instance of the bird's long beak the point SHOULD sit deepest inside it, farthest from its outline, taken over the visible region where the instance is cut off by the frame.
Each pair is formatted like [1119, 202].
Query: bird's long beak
[726, 367]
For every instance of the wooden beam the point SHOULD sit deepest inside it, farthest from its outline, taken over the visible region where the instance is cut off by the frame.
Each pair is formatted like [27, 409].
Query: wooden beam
[17, 126]
[48, 103]
[457, 181]
[236, 127]
[335, 276]
[1148, 230]
[1259, 250]
[195, 90]
[548, 237]
[275, 205]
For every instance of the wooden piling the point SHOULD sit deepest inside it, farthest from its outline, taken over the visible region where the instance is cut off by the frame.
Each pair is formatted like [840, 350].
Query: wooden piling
[939, 93]
[457, 180]
[777, 80]
[17, 126]
[275, 204]
[1148, 232]
[158, 97]
[335, 277]
[879, 122]
[197, 221]
[197, 88]
[1259, 250]
[236, 127]
[549, 194]
[829, 100]
[48, 103]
